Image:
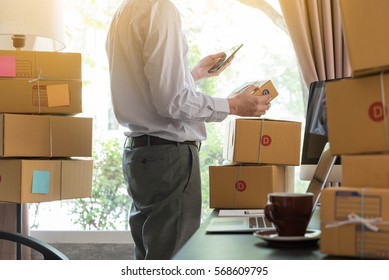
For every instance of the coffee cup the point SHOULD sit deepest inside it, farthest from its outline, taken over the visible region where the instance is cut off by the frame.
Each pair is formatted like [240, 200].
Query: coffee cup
[289, 212]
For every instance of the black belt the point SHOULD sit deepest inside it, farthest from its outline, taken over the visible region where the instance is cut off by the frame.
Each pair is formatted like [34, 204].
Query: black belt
[147, 140]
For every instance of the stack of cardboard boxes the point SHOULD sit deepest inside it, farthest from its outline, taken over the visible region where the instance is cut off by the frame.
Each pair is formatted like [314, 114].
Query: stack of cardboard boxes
[45, 147]
[259, 152]
[355, 217]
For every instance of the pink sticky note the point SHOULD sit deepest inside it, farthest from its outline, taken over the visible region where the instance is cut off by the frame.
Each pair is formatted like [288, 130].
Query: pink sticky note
[7, 66]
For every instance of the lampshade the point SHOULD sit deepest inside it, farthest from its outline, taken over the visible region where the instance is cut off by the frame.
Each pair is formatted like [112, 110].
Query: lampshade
[39, 21]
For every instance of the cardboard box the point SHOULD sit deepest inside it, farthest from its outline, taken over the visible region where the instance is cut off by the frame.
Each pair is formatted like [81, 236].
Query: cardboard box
[244, 186]
[264, 88]
[366, 170]
[40, 82]
[28, 181]
[353, 239]
[356, 118]
[252, 140]
[365, 26]
[45, 136]
[76, 178]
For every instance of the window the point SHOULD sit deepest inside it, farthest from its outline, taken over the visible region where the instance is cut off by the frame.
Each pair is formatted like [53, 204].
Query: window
[211, 26]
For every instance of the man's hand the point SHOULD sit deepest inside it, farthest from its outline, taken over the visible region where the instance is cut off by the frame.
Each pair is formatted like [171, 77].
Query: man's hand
[247, 105]
[201, 69]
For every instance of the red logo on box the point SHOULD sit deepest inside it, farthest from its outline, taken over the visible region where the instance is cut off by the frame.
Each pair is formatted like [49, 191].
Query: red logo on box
[266, 140]
[240, 186]
[265, 92]
[377, 111]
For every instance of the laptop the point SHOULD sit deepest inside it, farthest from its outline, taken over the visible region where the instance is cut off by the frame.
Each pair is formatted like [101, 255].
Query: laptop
[251, 223]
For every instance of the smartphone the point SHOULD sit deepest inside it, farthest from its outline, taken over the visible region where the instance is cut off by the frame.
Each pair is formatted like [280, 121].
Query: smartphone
[222, 61]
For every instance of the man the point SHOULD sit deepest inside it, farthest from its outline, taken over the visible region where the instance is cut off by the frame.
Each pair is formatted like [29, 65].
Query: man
[154, 95]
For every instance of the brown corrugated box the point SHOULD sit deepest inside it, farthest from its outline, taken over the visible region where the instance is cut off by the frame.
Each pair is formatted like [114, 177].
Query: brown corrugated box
[244, 186]
[366, 170]
[365, 25]
[21, 180]
[354, 239]
[252, 140]
[45, 136]
[76, 178]
[356, 118]
[42, 82]
[265, 87]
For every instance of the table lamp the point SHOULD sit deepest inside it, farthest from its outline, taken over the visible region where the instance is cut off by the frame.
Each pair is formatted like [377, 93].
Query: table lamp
[35, 25]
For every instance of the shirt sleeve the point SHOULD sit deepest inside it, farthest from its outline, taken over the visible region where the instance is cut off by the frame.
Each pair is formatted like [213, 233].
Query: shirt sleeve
[172, 87]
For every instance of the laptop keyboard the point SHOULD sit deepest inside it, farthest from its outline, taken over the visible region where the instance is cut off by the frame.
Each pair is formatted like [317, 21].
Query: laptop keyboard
[259, 222]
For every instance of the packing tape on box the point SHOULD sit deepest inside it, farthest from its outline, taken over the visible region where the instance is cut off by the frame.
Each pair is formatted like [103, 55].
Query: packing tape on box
[260, 140]
[240, 164]
[51, 138]
[237, 184]
[386, 133]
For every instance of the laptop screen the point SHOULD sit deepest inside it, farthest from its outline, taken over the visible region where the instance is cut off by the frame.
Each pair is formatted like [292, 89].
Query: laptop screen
[321, 174]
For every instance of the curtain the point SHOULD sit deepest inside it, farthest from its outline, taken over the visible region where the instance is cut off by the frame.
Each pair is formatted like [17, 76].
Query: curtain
[315, 30]
[8, 215]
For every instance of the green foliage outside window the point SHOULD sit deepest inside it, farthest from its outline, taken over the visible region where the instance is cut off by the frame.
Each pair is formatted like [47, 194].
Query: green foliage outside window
[109, 204]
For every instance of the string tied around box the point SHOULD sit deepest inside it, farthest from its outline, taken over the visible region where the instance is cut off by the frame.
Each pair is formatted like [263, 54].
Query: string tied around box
[39, 78]
[353, 218]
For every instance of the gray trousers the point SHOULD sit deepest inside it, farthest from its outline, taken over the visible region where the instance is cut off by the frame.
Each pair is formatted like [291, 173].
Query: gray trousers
[164, 183]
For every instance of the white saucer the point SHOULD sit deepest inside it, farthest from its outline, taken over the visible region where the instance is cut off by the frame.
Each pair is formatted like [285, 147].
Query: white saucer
[271, 236]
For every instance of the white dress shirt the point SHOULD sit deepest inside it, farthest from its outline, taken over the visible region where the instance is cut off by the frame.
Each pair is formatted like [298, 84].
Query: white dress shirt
[152, 88]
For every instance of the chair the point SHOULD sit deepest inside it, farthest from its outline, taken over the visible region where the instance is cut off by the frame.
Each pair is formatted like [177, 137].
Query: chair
[48, 251]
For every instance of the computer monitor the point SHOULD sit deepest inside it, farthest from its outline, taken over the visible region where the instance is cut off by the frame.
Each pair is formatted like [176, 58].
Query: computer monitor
[316, 135]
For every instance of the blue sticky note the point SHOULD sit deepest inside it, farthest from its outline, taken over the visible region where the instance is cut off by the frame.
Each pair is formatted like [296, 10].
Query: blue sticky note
[40, 181]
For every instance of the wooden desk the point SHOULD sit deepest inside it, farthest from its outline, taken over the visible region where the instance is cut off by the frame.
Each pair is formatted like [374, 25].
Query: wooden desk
[244, 246]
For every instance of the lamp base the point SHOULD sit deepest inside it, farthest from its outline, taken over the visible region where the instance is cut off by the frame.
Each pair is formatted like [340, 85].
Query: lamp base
[19, 41]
